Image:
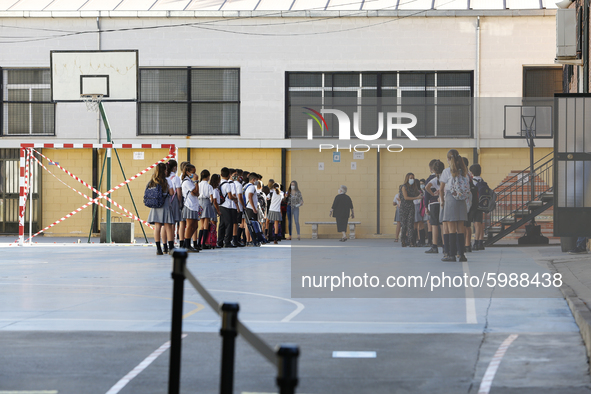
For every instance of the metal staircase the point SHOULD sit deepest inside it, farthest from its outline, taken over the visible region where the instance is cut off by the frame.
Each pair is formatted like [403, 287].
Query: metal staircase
[515, 205]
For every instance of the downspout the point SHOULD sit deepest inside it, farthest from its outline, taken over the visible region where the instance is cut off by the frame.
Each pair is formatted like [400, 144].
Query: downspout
[477, 90]
[98, 117]
[586, 46]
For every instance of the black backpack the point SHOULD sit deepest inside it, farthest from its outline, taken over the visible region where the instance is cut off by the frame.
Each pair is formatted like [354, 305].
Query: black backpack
[487, 198]
[154, 197]
[222, 197]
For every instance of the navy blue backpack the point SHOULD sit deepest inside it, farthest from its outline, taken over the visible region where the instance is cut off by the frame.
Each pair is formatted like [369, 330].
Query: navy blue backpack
[153, 196]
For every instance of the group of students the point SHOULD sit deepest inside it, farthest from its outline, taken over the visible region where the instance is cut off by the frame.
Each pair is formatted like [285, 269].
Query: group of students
[193, 205]
[438, 211]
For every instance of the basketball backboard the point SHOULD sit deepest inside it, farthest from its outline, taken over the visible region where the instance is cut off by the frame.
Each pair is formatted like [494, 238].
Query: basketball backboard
[520, 118]
[112, 74]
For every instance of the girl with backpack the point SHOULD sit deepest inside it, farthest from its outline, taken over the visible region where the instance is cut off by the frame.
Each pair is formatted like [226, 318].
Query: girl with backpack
[176, 200]
[408, 191]
[214, 183]
[455, 189]
[162, 216]
[209, 213]
[191, 209]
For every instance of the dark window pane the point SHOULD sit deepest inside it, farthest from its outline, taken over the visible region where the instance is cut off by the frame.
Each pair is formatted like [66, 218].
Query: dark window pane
[430, 79]
[215, 85]
[163, 85]
[412, 80]
[214, 118]
[29, 77]
[305, 80]
[370, 80]
[166, 118]
[542, 82]
[454, 79]
[390, 80]
[346, 80]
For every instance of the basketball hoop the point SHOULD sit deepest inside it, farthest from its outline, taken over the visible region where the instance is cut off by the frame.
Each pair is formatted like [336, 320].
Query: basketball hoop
[92, 101]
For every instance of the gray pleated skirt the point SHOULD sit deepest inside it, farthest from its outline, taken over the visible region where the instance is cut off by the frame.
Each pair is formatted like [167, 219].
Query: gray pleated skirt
[454, 210]
[418, 216]
[175, 207]
[397, 216]
[274, 216]
[162, 214]
[208, 209]
[190, 214]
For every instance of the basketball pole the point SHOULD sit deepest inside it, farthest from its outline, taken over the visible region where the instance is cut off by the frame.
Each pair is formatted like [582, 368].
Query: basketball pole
[108, 129]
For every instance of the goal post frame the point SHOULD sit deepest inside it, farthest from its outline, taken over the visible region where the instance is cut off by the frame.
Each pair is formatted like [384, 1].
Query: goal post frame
[22, 165]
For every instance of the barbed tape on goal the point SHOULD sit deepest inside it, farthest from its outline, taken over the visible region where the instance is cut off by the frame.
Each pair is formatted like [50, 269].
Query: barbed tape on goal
[127, 213]
[101, 195]
[21, 213]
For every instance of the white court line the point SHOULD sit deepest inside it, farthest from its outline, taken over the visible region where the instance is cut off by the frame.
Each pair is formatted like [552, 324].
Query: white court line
[300, 306]
[348, 354]
[470, 301]
[491, 371]
[141, 366]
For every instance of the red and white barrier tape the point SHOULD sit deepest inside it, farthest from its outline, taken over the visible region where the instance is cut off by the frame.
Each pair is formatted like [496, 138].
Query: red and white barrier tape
[127, 213]
[101, 195]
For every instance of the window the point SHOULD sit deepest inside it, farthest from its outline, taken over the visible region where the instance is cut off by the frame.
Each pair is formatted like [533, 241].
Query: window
[441, 101]
[189, 101]
[26, 102]
[542, 81]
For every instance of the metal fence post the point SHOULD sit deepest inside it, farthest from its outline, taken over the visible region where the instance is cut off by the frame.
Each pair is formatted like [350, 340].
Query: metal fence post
[287, 368]
[178, 276]
[229, 331]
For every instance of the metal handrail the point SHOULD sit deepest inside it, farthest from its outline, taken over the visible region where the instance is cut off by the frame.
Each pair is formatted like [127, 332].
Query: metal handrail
[514, 200]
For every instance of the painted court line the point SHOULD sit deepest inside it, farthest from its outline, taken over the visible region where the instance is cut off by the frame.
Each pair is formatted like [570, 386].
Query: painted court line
[141, 366]
[30, 392]
[470, 301]
[491, 371]
[344, 354]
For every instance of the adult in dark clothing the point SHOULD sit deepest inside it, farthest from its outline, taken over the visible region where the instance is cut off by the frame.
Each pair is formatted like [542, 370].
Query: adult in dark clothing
[409, 192]
[341, 206]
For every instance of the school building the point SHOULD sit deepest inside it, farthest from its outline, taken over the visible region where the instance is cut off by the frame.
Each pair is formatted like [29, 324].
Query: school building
[226, 80]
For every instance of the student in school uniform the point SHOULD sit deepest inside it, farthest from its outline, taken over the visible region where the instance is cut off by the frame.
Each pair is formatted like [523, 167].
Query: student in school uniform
[239, 203]
[274, 216]
[426, 198]
[214, 182]
[432, 191]
[409, 191]
[471, 208]
[209, 213]
[455, 189]
[227, 210]
[182, 223]
[176, 201]
[251, 206]
[191, 208]
[396, 203]
[161, 217]
[478, 216]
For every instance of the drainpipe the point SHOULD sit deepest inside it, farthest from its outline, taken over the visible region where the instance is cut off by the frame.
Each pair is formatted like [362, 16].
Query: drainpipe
[586, 46]
[98, 117]
[477, 90]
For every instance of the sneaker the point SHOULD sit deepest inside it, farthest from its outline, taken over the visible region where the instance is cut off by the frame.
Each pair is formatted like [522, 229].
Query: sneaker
[433, 250]
[449, 258]
[462, 258]
[469, 249]
[577, 251]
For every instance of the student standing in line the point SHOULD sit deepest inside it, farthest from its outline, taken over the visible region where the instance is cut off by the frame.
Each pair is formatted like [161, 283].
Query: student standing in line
[214, 182]
[161, 217]
[227, 210]
[294, 202]
[191, 208]
[478, 216]
[471, 208]
[239, 204]
[455, 189]
[396, 203]
[275, 210]
[409, 191]
[176, 201]
[251, 211]
[432, 190]
[182, 223]
[209, 213]
[267, 194]
[427, 197]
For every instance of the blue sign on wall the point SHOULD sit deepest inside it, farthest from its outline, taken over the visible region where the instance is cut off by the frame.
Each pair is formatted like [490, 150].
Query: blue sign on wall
[336, 157]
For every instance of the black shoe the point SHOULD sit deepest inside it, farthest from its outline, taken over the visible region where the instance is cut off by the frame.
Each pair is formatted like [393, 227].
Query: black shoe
[165, 250]
[462, 258]
[159, 253]
[433, 250]
[469, 249]
[191, 250]
[449, 258]
[230, 245]
[170, 252]
[206, 247]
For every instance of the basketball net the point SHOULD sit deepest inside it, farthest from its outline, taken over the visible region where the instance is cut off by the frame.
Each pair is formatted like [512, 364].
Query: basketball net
[92, 101]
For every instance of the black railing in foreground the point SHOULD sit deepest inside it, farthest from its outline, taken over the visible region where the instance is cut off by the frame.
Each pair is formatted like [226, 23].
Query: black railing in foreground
[515, 200]
[285, 358]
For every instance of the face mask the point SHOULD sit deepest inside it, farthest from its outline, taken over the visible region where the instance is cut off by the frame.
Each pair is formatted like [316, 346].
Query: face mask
[292, 187]
[234, 177]
[191, 176]
[422, 187]
[340, 191]
[411, 181]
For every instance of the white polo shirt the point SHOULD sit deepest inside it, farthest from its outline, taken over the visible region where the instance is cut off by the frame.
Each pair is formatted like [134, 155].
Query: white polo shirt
[227, 186]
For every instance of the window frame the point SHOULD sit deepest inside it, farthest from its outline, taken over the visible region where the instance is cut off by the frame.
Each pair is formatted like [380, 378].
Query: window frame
[379, 90]
[189, 102]
[4, 100]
